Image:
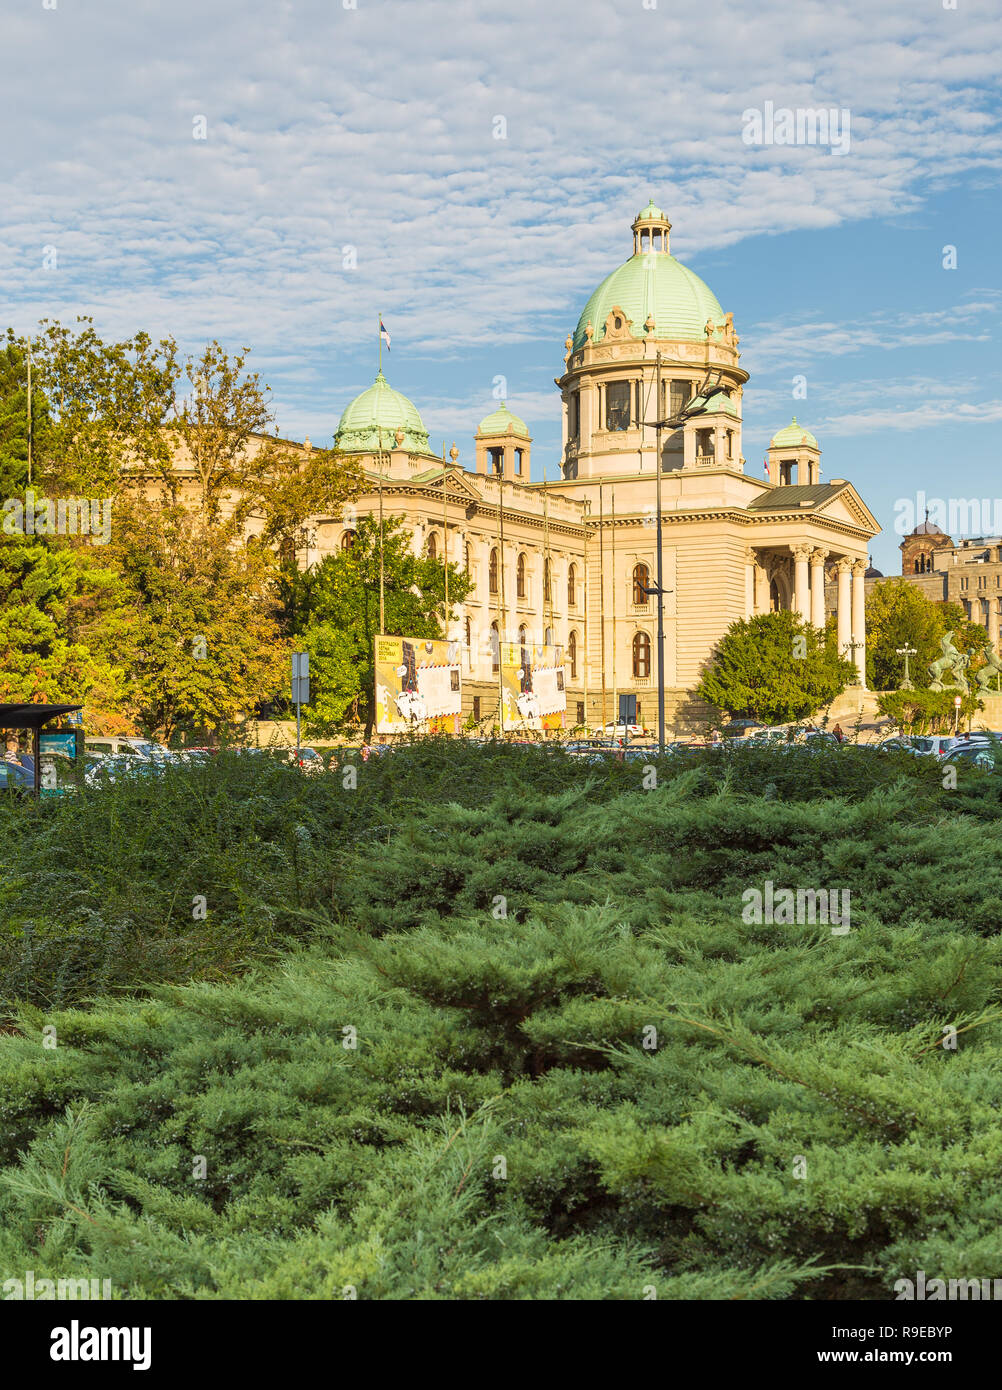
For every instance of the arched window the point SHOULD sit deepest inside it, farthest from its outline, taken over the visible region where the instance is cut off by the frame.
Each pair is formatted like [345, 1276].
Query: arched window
[523, 635]
[520, 577]
[918, 566]
[641, 655]
[347, 540]
[548, 637]
[571, 581]
[572, 654]
[432, 546]
[546, 580]
[495, 649]
[641, 581]
[493, 576]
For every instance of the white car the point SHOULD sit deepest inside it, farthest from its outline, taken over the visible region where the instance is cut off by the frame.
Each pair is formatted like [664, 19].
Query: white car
[621, 730]
[923, 745]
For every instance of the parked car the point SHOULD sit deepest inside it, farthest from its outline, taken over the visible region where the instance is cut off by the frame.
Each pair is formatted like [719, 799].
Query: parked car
[741, 728]
[115, 747]
[309, 760]
[107, 770]
[922, 745]
[981, 755]
[621, 730]
[15, 778]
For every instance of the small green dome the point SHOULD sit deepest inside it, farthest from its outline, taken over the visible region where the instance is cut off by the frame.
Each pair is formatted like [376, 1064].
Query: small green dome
[792, 436]
[650, 213]
[372, 420]
[653, 283]
[722, 404]
[502, 421]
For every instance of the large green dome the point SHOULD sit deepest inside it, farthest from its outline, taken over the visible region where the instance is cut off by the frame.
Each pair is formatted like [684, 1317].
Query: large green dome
[372, 420]
[653, 283]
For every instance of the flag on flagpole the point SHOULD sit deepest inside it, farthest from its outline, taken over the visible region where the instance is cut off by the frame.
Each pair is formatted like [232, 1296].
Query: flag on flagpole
[384, 335]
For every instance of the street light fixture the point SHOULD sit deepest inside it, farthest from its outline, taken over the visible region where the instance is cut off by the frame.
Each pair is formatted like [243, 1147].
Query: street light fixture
[711, 386]
[906, 652]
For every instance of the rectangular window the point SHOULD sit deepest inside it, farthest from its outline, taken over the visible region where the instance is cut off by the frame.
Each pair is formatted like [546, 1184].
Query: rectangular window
[581, 713]
[617, 405]
[497, 460]
[573, 416]
[476, 706]
[680, 392]
[518, 461]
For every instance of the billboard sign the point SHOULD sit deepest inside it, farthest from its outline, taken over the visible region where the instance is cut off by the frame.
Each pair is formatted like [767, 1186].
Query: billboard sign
[418, 686]
[533, 687]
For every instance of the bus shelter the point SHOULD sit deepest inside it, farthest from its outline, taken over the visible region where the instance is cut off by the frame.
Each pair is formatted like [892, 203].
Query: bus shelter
[34, 718]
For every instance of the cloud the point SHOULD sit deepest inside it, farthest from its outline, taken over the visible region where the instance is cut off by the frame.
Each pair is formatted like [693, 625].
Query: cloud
[374, 129]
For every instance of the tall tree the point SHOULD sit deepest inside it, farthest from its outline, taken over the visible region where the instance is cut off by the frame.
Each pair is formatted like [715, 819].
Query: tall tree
[776, 668]
[201, 644]
[899, 615]
[337, 616]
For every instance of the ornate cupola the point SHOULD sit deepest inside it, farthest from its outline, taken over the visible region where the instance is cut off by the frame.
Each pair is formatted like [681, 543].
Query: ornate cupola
[650, 231]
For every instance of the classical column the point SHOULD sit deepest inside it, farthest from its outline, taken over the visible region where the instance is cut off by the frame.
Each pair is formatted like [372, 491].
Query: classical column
[761, 587]
[844, 615]
[859, 619]
[818, 558]
[749, 581]
[801, 597]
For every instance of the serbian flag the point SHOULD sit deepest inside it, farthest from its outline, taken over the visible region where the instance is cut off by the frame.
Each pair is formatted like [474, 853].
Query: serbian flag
[384, 335]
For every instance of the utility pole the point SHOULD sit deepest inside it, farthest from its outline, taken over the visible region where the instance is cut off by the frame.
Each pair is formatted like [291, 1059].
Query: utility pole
[712, 386]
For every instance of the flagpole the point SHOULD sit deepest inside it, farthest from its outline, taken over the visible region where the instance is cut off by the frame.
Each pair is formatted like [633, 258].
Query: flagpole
[379, 336]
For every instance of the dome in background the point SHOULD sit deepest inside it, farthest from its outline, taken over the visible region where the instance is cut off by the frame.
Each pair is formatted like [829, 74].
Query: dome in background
[372, 421]
[502, 421]
[793, 436]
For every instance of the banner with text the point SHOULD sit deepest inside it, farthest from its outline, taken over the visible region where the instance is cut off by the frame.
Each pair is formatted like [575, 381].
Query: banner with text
[418, 686]
[533, 694]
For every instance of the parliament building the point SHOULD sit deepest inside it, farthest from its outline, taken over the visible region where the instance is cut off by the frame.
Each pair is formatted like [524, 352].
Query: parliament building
[569, 562]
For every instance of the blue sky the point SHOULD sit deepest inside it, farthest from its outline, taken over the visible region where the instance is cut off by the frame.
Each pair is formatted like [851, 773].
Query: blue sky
[374, 127]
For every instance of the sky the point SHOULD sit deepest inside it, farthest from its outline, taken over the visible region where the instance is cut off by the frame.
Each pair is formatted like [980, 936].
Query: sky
[470, 171]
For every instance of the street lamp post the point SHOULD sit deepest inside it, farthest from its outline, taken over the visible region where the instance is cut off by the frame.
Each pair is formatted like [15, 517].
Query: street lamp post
[906, 652]
[712, 386]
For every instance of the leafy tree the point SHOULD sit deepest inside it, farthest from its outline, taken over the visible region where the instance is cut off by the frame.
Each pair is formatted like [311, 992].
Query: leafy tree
[775, 668]
[220, 431]
[924, 711]
[108, 403]
[899, 615]
[201, 644]
[337, 616]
